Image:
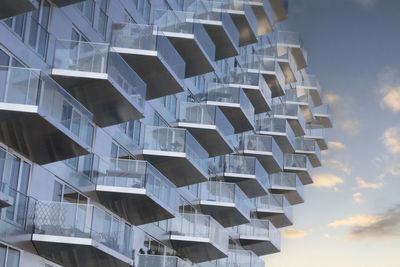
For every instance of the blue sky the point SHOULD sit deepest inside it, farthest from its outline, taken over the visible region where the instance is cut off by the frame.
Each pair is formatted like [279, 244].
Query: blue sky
[352, 213]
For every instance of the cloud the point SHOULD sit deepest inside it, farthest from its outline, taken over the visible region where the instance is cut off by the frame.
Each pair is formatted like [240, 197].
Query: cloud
[363, 184]
[331, 98]
[389, 164]
[358, 220]
[389, 83]
[326, 180]
[391, 140]
[336, 145]
[350, 127]
[391, 100]
[336, 165]
[366, 3]
[293, 233]
[385, 225]
[357, 197]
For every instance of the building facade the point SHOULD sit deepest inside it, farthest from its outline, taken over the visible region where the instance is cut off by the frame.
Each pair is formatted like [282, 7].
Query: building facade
[152, 133]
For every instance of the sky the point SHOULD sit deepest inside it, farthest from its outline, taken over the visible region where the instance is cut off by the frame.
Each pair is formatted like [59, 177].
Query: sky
[351, 215]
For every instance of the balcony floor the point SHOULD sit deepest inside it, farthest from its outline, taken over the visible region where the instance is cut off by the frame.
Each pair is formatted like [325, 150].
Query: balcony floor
[175, 166]
[261, 246]
[33, 135]
[224, 45]
[197, 249]
[246, 34]
[304, 176]
[101, 95]
[236, 116]
[281, 139]
[266, 159]
[273, 83]
[278, 218]
[152, 69]
[249, 184]
[227, 214]
[133, 204]
[258, 100]
[78, 252]
[291, 194]
[11, 8]
[288, 71]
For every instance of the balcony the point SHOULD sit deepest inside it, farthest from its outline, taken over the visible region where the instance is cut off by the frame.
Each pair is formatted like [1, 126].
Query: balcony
[278, 128]
[144, 260]
[263, 147]
[274, 208]
[311, 84]
[260, 236]
[225, 202]
[246, 172]
[323, 116]
[81, 235]
[152, 56]
[310, 148]
[199, 237]
[317, 134]
[6, 199]
[289, 185]
[101, 80]
[292, 113]
[11, 8]
[39, 119]
[208, 125]
[244, 20]
[293, 41]
[190, 39]
[280, 10]
[241, 258]
[233, 102]
[255, 87]
[134, 190]
[299, 164]
[219, 26]
[175, 153]
[264, 15]
[63, 3]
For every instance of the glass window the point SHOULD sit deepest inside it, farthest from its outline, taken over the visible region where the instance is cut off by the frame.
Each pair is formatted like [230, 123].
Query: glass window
[17, 24]
[38, 33]
[12, 258]
[87, 9]
[3, 251]
[103, 18]
[57, 191]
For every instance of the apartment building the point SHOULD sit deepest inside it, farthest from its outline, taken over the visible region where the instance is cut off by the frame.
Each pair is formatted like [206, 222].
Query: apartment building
[152, 133]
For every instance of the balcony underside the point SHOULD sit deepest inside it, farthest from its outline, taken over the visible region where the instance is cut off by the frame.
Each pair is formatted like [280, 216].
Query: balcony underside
[278, 218]
[175, 166]
[316, 97]
[99, 94]
[258, 100]
[62, 3]
[237, 117]
[192, 52]
[78, 252]
[291, 194]
[288, 72]
[315, 160]
[282, 140]
[133, 204]
[197, 249]
[297, 127]
[299, 57]
[152, 69]
[246, 34]
[261, 246]
[225, 47]
[279, 10]
[227, 214]
[323, 145]
[5, 200]
[264, 24]
[249, 184]
[324, 120]
[209, 138]
[11, 8]
[304, 175]
[274, 85]
[26, 131]
[266, 159]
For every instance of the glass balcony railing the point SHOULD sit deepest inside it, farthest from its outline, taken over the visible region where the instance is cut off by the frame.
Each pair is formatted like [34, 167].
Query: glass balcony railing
[300, 96]
[215, 92]
[291, 39]
[205, 115]
[236, 6]
[149, 38]
[323, 110]
[274, 203]
[161, 261]
[277, 125]
[138, 174]
[83, 221]
[199, 225]
[287, 180]
[297, 161]
[99, 58]
[240, 165]
[227, 193]
[183, 22]
[260, 228]
[242, 258]
[174, 140]
[307, 145]
[16, 214]
[32, 87]
[315, 132]
[290, 111]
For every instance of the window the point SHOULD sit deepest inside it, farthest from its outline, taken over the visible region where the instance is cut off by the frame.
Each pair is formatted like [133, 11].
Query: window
[119, 152]
[144, 8]
[17, 24]
[9, 257]
[158, 121]
[38, 33]
[87, 10]
[170, 103]
[127, 17]
[65, 193]
[103, 18]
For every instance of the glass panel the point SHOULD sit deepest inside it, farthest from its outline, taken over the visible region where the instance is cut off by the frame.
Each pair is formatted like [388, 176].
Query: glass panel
[12, 258]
